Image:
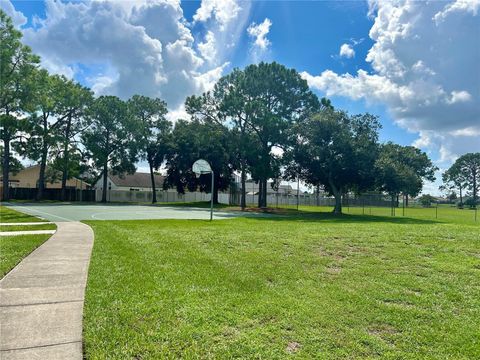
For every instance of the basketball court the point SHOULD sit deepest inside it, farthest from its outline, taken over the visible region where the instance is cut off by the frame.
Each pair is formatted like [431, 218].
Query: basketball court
[78, 212]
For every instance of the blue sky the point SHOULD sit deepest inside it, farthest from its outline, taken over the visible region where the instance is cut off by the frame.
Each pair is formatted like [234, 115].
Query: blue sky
[414, 64]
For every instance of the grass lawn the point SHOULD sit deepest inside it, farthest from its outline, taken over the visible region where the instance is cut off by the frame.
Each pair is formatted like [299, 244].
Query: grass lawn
[14, 248]
[28, 227]
[11, 216]
[312, 286]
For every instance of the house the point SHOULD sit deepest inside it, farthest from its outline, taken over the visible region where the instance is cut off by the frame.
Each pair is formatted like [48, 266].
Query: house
[28, 178]
[131, 182]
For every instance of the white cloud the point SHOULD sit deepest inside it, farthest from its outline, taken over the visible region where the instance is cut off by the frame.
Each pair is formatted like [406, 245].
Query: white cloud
[346, 50]
[259, 33]
[146, 46]
[224, 22]
[425, 72]
[208, 49]
[459, 96]
[17, 17]
[223, 11]
[460, 6]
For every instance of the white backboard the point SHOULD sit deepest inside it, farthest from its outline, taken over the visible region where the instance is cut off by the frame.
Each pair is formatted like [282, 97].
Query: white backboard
[201, 167]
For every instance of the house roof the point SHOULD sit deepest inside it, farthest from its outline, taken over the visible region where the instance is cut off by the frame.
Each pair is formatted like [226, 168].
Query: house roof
[20, 173]
[136, 180]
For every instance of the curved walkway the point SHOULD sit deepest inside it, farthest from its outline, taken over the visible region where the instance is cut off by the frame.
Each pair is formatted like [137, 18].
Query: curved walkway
[41, 299]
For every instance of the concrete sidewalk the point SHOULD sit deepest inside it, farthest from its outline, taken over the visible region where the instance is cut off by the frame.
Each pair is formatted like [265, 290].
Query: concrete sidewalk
[41, 300]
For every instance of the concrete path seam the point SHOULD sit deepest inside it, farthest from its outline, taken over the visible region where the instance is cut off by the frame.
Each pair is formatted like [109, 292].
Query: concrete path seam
[42, 298]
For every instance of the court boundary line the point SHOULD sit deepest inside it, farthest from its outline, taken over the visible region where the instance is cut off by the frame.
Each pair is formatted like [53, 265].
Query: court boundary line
[42, 212]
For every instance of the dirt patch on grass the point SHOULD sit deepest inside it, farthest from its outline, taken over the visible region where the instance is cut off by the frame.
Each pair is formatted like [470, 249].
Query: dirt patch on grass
[384, 332]
[334, 270]
[293, 347]
[398, 303]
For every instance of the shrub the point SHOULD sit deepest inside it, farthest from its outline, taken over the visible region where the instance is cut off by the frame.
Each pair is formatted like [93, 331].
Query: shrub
[426, 200]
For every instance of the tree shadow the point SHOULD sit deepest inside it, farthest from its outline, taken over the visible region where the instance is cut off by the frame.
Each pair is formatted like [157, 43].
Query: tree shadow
[307, 216]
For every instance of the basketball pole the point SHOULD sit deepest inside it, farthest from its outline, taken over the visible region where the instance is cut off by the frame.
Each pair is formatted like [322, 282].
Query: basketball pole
[211, 200]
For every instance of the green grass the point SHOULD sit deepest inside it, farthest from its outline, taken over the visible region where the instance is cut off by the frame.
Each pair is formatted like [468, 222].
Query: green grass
[307, 286]
[14, 248]
[27, 227]
[8, 215]
[445, 214]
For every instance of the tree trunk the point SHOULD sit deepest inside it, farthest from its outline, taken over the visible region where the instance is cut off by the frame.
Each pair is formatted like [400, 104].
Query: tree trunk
[406, 200]
[338, 202]
[105, 175]
[264, 198]
[41, 175]
[65, 174]
[66, 159]
[260, 193]
[43, 159]
[243, 200]
[461, 197]
[152, 179]
[474, 187]
[337, 193]
[215, 190]
[6, 167]
[318, 195]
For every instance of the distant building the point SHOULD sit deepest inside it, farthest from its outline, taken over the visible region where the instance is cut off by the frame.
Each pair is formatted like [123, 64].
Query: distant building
[252, 188]
[131, 182]
[28, 178]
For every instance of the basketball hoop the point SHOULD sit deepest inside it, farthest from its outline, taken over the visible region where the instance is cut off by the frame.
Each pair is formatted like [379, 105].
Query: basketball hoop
[201, 167]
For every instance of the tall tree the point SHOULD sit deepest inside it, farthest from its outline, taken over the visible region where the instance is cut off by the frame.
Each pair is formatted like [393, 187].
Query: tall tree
[44, 123]
[225, 105]
[75, 101]
[276, 98]
[191, 141]
[110, 138]
[17, 63]
[152, 127]
[465, 172]
[15, 164]
[336, 151]
[452, 179]
[403, 169]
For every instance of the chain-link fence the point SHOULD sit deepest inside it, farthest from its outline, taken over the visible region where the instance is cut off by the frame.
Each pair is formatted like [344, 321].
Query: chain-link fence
[369, 204]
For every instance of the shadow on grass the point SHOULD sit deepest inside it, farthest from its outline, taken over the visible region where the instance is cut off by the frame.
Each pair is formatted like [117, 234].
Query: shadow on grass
[306, 216]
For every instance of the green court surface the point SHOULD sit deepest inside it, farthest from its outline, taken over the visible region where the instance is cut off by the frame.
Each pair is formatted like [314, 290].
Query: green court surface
[78, 212]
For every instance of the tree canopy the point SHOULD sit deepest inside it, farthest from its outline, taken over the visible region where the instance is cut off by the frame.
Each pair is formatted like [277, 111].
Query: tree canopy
[464, 174]
[17, 66]
[110, 137]
[151, 130]
[337, 151]
[403, 169]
